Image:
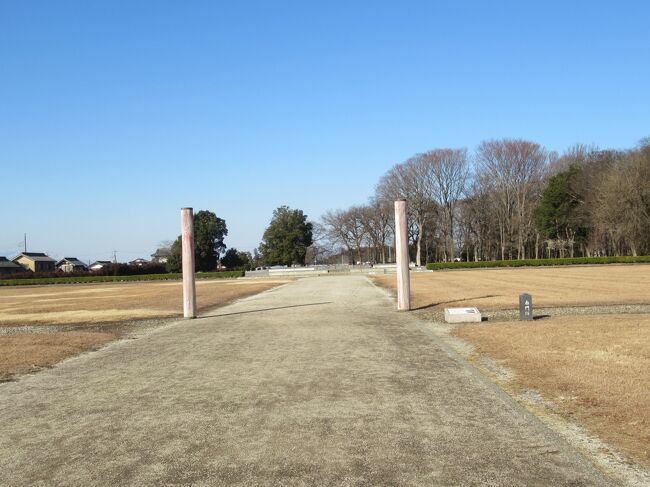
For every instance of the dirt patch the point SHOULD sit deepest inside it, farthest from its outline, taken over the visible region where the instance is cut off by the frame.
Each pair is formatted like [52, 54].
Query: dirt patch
[594, 368]
[29, 352]
[493, 289]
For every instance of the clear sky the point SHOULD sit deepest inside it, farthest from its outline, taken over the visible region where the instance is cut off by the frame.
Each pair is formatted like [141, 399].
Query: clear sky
[114, 115]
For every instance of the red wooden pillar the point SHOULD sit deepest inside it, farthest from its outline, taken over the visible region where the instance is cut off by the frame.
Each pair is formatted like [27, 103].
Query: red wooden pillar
[402, 257]
[189, 286]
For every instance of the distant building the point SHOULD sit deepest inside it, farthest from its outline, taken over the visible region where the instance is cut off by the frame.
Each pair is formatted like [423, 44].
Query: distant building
[161, 256]
[139, 262]
[35, 261]
[99, 265]
[71, 264]
[9, 267]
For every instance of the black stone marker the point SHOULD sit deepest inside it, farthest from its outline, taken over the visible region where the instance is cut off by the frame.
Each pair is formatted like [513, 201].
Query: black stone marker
[525, 307]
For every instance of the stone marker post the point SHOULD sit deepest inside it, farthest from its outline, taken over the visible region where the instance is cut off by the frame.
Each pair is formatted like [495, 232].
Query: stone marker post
[525, 307]
[402, 257]
[187, 240]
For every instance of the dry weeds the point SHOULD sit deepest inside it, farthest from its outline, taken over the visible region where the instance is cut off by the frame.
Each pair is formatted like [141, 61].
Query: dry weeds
[595, 368]
[28, 352]
[492, 289]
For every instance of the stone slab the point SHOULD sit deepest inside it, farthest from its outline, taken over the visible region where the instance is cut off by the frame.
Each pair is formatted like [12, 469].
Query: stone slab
[462, 315]
[525, 307]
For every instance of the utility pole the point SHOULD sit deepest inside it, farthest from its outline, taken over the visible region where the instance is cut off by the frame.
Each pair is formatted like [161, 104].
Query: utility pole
[114, 256]
[25, 241]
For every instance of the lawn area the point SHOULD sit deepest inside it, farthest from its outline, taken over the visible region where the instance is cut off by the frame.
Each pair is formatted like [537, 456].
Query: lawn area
[27, 352]
[108, 305]
[595, 368]
[492, 289]
[97, 303]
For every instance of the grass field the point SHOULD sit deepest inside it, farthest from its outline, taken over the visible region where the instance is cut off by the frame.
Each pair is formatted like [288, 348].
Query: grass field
[97, 303]
[594, 368]
[490, 289]
[26, 352]
[108, 305]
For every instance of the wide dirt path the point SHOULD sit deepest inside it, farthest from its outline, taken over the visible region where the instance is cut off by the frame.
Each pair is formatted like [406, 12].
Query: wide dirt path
[318, 382]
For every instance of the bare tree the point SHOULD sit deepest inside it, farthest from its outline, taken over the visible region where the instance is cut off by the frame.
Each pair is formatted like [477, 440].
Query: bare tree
[446, 174]
[321, 250]
[479, 220]
[335, 230]
[490, 215]
[356, 228]
[377, 217]
[513, 172]
[621, 204]
[347, 228]
[408, 181]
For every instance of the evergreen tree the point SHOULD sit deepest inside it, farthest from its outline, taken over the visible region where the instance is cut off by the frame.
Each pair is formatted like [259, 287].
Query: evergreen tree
[287, 237]
[209, 232]
[560, 214]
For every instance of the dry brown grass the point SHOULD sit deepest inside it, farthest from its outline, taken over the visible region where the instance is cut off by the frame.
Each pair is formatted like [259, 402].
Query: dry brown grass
[93, 304]
[491, 289]
[594, 368]
[27, 352]
[97, 303]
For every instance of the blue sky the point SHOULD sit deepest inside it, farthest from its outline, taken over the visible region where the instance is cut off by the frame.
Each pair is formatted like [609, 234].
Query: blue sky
[114, 115]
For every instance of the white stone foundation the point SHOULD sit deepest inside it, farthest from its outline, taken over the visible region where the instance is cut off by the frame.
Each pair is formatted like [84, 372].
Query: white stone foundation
[462, 315]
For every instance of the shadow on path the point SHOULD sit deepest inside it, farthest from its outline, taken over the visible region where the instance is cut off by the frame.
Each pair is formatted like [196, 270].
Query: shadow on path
[262, 310]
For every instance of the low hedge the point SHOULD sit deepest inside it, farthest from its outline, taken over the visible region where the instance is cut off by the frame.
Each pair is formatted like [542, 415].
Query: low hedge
[145, 277]
[435, 266]
[109, 270]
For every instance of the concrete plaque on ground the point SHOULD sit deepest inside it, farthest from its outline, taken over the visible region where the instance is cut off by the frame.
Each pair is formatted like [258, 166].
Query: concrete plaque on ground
[462, 315]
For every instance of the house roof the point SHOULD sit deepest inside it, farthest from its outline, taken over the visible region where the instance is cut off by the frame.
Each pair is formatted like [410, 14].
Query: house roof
[71, 260]
[34, 256]
[162, 253]
[101, 262]
[6, 263]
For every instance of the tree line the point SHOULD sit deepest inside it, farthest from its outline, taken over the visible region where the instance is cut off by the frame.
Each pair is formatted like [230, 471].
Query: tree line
[510, 199]
[285, 242]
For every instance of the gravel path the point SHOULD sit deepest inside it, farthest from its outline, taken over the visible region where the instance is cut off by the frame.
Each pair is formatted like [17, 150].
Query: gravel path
[319, 382]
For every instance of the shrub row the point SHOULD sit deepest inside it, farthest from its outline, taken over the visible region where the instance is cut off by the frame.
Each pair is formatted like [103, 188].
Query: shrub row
[146, 277]
[434, 266]
[109, 270]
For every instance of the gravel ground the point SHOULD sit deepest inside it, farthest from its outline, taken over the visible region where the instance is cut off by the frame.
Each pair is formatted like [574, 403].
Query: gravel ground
[542, 313]
[319, 382]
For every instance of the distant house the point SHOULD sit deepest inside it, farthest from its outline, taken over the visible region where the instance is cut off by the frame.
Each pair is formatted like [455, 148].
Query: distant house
[139, 262]
[35, 261]
[71, 264]
[9, 267]
[161, 256]
[99, 265]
